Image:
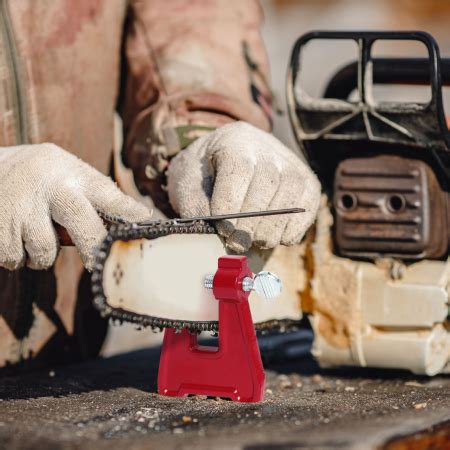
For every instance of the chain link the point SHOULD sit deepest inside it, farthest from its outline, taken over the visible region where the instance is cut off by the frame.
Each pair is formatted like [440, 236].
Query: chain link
[127, 232]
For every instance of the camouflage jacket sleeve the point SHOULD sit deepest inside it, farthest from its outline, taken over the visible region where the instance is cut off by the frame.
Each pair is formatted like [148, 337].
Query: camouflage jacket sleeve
[190, 66]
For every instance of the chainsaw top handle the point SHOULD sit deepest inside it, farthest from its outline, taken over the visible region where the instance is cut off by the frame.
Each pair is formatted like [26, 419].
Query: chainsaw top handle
[334, 127]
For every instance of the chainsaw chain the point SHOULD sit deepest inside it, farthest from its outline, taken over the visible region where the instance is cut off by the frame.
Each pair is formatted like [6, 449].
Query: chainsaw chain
[127, 232]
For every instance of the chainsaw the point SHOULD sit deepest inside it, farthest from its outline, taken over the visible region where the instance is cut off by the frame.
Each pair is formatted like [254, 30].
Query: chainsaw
[378, 255]
[141, 271]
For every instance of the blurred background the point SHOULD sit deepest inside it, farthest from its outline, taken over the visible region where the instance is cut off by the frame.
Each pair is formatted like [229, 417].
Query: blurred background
[285, 21]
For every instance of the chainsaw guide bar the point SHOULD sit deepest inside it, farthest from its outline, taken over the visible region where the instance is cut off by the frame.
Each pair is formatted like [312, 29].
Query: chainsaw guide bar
[125, 232]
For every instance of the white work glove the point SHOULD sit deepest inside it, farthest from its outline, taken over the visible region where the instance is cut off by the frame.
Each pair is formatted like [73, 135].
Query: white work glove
[41, 183]
[240, 168]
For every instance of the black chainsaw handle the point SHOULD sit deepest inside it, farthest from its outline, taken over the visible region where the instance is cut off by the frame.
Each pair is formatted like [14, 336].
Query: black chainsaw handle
[407, 71]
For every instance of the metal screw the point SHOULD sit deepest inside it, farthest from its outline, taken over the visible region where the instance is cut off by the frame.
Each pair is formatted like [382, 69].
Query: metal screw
[208, 281]
[266, 284]
[247, 284]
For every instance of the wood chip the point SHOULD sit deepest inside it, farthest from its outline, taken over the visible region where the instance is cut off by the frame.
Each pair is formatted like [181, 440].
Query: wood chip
[420, 405]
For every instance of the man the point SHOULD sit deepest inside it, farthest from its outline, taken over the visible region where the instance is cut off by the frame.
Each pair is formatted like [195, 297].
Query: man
[195, 104]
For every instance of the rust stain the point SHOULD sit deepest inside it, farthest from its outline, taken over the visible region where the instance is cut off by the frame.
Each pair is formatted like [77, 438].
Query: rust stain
[334, 331]
[123, 245]
[331, 299]
[306, 298]
[376, 201]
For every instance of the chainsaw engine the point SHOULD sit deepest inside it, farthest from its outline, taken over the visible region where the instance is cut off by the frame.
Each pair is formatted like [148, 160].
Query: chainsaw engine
[379, 270]
[391, 206]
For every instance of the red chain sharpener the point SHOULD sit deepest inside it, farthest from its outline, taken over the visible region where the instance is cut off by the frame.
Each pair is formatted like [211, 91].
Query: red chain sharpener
[233, 369]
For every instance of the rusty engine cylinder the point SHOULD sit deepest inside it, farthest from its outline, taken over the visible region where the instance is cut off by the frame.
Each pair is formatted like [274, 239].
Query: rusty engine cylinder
[391, 206]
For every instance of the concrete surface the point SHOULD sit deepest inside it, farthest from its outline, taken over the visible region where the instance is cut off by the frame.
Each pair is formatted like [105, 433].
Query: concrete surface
[112, 403]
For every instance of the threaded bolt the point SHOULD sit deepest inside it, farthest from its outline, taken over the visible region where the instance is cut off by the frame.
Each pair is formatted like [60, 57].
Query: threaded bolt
[208, 281]
[266, 284]
[247, 284]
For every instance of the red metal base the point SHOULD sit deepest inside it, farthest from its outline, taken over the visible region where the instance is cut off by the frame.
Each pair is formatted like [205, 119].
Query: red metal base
[234, 369]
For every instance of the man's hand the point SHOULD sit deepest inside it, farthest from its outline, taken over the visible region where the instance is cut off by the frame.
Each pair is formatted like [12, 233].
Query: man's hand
[41, 183]
[241, 168]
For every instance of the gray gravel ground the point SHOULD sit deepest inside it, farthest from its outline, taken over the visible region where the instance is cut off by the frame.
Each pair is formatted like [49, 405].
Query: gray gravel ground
[112, 402]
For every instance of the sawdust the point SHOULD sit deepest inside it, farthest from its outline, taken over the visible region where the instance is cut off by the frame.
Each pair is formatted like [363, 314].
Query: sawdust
[335, 332]
[306, 298]
[334, 286]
